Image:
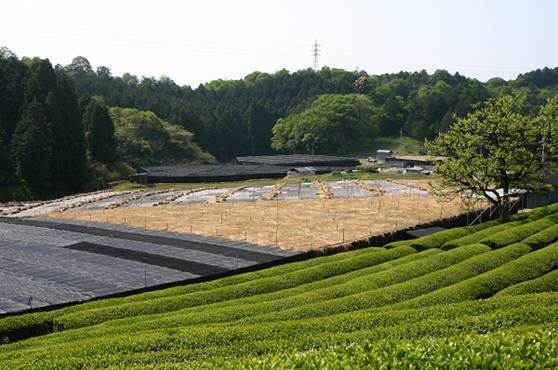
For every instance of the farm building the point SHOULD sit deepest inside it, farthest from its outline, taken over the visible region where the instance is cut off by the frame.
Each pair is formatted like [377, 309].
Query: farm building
[302, 171]
[207, 173]
[382, 154]
[300, 160]
[221, 172]
[425, 161]
[256, 167]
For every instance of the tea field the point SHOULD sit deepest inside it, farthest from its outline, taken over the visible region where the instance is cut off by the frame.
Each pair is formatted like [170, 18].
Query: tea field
[483, 296]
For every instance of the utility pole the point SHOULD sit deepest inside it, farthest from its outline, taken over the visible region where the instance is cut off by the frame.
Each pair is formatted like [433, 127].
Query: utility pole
[316, 54]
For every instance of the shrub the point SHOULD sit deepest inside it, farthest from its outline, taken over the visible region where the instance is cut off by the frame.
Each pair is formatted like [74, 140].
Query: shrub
[516, 234]
[545, 283]
[483, 225]
[241, 290]
[437, 239]
[542, 238]
[541, 212]
[478, 236]
[508, 350]
[399, 243]
[527, 267]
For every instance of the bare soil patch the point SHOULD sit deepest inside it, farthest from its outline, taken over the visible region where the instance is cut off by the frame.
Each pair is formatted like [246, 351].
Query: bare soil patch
[290, 224]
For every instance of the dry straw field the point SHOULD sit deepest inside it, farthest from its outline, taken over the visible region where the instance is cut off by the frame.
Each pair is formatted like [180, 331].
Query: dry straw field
[290, 224]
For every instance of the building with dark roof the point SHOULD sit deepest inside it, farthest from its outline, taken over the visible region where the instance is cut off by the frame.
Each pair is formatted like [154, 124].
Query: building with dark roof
[299, 160]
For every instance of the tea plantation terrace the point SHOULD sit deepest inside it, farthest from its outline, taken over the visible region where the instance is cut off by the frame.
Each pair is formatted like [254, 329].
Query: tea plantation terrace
[46, 261]
[482, 296]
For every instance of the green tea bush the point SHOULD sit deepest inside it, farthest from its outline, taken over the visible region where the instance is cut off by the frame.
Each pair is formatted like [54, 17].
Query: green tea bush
[478, 236]
[516, 234]
[244, 289]
[545, 283]
[483, 225]
[527, 267]
[399, 243]
[437, 239]
[503, 350]
[542, 238]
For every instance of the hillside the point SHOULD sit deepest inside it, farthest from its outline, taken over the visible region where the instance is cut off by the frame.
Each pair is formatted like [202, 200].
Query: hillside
[480, 296]
[144, 139]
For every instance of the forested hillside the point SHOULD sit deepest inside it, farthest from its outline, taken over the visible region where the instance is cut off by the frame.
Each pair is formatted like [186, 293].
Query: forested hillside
[236, 117]
[57, 136]
[54, 142]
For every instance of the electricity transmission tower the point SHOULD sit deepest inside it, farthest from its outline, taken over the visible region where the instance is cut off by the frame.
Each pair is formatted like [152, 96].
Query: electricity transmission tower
[316, 54]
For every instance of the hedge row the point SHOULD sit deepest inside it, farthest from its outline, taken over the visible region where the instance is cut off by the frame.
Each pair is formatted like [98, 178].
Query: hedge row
[187, 344]
[545, 283]
[516, 234]
[527, 267]
[437, 239]
[484, 225]
[234, 309]
[478, 236]
[25, 326]
[503, 350]
[244, 289]
[399, 243]
[482, 262]
[540, 212]
[262, 304]
[227, 281]
[542, 238]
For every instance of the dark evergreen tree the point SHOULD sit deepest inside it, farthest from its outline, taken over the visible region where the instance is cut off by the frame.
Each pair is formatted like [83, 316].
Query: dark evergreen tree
[6, 170]
[32, 150]
[99, 131]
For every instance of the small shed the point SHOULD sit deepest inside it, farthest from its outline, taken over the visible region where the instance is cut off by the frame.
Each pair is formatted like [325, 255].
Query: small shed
[414, 170]
[302, 171]
[382, 154]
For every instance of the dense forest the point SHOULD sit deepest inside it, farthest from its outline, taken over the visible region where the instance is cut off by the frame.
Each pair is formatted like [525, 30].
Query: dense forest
[62, 129]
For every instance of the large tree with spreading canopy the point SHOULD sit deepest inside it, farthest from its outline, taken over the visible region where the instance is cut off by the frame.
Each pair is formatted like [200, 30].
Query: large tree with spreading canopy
[498, 148]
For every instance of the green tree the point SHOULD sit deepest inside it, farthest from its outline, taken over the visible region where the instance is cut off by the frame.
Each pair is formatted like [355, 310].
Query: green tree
[32, 150]
[333, 124]
[145, 139]
[99, 131]
[5, 164]
[492, 150]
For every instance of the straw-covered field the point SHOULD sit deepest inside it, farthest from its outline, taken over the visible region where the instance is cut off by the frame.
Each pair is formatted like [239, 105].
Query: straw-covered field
[290, 224]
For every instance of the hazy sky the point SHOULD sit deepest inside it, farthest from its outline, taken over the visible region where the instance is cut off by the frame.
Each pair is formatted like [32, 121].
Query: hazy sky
[198, 41]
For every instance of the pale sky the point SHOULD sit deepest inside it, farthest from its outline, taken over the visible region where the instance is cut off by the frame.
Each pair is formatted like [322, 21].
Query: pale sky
[198, 41]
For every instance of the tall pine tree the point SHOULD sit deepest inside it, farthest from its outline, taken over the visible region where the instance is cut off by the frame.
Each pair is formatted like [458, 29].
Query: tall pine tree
[99, 132]
[32, 150]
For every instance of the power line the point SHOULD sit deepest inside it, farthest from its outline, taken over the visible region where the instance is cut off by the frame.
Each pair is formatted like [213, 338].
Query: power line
[316, 54]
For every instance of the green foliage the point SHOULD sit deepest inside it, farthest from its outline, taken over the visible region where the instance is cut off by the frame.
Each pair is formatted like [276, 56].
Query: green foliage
[495, 147]
[62, 145]
[241, 290]
[540, 212]
[536, 349]
[545, 283]
[542, 238]
[99, 131]
[483, 225]
[399, 243]
[516, 234]
[477, 236]
[145, 139]
[436, 240]
[32, 150]
[528, 266]
[333, 123]
[405, 308]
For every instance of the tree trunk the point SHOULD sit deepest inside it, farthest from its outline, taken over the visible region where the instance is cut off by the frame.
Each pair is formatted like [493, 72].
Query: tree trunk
[505, 204]
[504, 209]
